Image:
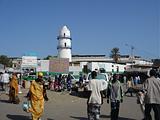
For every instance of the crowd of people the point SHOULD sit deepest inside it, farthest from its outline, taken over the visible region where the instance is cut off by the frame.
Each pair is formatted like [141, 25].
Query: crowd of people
[147, 95]
[61, 83]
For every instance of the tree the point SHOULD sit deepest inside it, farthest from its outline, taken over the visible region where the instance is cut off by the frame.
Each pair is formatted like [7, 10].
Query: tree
[115, 54]
[156, 62]
[5, 61]
[85, 69]
[48, 57]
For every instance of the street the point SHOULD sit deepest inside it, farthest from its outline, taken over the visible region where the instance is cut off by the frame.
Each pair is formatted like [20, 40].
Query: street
[62, 106]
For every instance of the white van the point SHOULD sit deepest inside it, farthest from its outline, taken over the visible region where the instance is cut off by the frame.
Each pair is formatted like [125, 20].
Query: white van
[100, 76]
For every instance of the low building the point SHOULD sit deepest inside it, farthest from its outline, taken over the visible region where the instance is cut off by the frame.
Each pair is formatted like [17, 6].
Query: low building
[81, 63]
[93, 62]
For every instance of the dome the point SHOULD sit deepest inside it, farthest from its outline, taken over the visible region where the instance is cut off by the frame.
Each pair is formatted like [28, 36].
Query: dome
[65, 32]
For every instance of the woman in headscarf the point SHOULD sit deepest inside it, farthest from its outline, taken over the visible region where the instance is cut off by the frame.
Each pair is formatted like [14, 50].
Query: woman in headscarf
[37, 98]
[13, 92]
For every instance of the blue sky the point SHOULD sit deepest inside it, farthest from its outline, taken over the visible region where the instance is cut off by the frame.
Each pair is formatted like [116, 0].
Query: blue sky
[96, 26]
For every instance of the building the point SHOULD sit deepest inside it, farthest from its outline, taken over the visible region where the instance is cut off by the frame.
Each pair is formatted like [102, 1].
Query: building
[66, 62]
[16, 63]
[64, 44]
[125, 63]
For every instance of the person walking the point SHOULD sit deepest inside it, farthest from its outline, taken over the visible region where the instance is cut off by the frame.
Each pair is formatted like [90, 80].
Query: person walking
[5, 80]
[55, 83]
[1, 82]
[13, 91]
[115, 94]
[129, 87]
[60, 83]
[81, 81]
[37, 95]
[69, 83]
[95, 99]
[151, 89]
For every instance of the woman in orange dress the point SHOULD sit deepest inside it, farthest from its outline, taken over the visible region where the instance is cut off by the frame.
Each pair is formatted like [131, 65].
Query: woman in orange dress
[37, 96]
[13, 92]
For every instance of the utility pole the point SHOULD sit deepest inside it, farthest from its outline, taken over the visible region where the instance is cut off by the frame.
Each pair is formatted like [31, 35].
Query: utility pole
[131, 56]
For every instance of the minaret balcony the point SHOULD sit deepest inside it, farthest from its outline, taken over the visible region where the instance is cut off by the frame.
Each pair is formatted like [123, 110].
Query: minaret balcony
[63, 37]
[61, 47]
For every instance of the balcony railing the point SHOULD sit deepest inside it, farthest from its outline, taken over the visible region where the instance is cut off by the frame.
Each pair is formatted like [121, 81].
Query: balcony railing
[63, 37]
[61, 47]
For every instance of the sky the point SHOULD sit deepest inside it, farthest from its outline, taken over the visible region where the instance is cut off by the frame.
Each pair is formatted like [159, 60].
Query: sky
[97, 26]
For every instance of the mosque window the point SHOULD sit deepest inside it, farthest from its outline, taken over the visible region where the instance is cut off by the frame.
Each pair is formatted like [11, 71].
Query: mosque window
[64, 34]
[65, 44]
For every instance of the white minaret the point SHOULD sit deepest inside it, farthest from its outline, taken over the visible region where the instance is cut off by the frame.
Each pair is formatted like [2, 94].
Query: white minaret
[64, 43]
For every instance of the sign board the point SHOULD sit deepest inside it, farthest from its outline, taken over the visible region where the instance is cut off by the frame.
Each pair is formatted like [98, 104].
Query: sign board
[59, 65]
[43, 65]
[29, 61]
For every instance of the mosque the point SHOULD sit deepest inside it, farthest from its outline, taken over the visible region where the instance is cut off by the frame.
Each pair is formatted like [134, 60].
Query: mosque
[66, 62]
[79, 62]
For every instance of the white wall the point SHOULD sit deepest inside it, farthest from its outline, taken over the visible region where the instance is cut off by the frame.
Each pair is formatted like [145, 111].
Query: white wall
[143, 62]
[75, 69]
[43, 65]
[92, 65]
[109, 67]
[65, 53]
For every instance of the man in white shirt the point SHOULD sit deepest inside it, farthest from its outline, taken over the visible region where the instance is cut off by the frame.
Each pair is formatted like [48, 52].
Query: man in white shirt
[5, 80]
[95, 99]
[151, 88]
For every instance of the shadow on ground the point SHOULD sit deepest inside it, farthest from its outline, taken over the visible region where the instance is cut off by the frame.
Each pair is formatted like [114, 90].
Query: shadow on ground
[102, 116]
[120, 118]
[18, 117]
[80, 94]
[4, 101]
[79, 118]
[21, 117]
[49, 119]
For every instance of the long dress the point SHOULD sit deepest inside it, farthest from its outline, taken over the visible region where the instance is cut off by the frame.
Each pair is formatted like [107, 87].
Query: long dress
[13, 92]
[37, 100]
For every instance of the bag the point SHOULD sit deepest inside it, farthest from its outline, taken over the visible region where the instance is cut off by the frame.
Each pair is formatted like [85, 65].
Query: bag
[26, 105]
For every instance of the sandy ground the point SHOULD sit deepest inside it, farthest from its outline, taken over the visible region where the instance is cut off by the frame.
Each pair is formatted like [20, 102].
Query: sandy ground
[62, 106]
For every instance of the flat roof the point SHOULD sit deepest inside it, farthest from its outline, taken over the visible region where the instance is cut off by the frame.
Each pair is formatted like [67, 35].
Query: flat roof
[88, 55]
